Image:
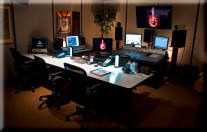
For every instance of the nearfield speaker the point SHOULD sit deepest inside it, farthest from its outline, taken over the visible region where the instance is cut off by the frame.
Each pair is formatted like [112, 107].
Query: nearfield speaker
[178, 38]
[148, 35]
[118, 31]
[82, 41]
[58, 43]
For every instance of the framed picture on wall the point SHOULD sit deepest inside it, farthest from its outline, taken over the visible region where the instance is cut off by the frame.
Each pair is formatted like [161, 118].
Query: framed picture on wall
[64, 22]
[6, 30]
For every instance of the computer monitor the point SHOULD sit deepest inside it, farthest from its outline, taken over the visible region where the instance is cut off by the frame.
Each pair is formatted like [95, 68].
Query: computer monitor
[161, 42]
[39, 44]
[133, 39]
[102, 44]
[72, 41]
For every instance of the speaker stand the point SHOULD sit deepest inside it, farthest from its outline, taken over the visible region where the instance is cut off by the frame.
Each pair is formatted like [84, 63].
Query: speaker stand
[150, 45]
[117, 44]
[173, 67]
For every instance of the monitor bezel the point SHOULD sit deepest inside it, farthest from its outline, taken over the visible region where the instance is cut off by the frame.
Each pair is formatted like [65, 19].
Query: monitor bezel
[77, 40]
[143, 12]
[108, 49]
[161, 47]
[138, 34]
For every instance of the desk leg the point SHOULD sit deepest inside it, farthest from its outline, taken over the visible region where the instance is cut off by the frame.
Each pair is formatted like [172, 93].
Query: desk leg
[117, 44]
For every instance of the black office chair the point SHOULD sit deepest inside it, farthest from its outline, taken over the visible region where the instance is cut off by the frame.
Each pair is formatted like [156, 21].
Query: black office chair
[83, 91]
[51, 79]
[23, 70]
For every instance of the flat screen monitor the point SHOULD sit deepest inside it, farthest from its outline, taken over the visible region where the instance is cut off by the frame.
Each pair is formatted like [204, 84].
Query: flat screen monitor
[134, 39]
[161, 42]
[158, 17]
[39, 42]
[72, 41]
[104, 44]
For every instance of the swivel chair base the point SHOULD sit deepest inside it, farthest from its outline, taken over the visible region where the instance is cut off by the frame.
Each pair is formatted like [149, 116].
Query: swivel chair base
[52, 100]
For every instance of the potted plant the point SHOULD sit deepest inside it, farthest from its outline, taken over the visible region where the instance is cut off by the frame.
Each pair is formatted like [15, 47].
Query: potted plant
[104, 16]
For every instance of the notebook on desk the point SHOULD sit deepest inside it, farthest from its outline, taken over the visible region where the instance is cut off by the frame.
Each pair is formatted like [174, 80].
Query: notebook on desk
[100, 72]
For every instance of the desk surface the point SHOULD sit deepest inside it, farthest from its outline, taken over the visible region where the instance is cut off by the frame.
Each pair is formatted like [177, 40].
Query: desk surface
[116, 77]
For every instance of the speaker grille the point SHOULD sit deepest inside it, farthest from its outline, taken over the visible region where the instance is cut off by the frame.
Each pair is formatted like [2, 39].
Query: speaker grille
[148, 35]
[178, 38]
[118, 33]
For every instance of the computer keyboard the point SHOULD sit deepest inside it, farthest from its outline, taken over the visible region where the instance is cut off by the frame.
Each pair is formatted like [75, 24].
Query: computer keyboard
[39, 50]
[82, 50]
[78, 48]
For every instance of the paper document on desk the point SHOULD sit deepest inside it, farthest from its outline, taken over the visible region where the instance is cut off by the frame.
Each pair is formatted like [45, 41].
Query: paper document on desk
[100, 72]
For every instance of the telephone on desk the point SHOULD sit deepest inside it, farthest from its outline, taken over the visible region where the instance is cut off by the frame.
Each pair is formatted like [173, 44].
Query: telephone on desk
[109, 61]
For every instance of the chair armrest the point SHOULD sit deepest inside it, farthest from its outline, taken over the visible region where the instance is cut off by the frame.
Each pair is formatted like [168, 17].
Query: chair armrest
[49, 66]
[57, 73]
[29, 61]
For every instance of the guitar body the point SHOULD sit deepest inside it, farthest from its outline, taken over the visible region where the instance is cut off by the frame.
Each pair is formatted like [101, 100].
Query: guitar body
[153, 20]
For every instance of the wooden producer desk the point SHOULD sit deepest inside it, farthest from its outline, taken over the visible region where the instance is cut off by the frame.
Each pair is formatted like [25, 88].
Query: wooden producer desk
[116, 77]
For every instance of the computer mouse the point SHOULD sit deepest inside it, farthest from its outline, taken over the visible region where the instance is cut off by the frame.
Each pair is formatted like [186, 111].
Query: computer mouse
[61, 55]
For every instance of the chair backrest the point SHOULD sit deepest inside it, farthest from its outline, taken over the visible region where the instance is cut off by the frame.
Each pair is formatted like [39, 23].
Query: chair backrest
[78, 78]
[75, 73]
[18, 58]
[40, 69]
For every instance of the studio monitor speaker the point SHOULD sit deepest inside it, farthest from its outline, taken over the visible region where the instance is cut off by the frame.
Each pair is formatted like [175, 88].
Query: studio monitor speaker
[58, 43]
[178, 38]
[148, 35]
[82, 41]
[118, 32]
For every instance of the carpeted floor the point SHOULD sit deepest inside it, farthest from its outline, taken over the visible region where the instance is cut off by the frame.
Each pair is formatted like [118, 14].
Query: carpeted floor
[164, 108]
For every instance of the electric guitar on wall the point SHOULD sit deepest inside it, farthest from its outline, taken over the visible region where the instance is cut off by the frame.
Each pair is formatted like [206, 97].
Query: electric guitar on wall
[153, 19]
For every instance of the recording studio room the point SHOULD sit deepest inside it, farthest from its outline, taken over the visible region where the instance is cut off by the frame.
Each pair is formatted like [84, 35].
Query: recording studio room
[101, 65]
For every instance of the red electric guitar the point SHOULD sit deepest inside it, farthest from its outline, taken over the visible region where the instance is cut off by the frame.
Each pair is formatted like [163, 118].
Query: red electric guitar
[153, 19]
